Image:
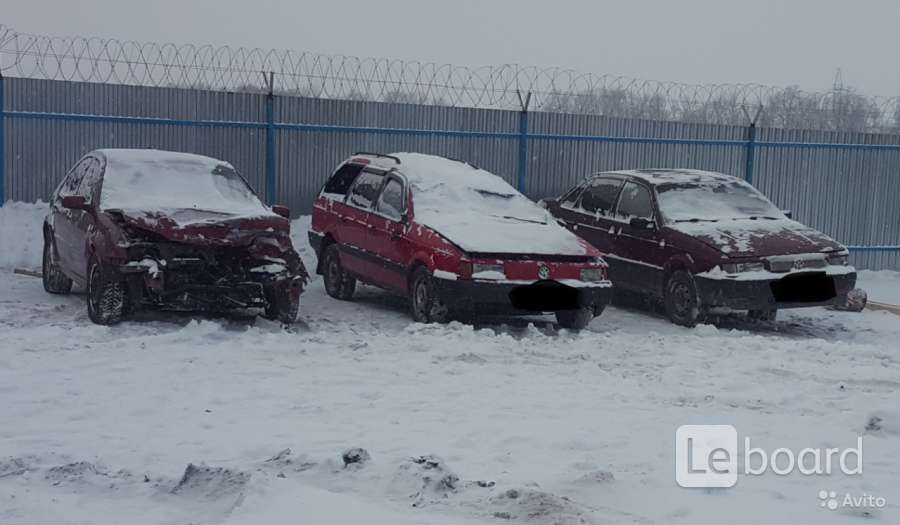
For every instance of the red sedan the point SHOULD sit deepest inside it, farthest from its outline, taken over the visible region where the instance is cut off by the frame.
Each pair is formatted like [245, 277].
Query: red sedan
[456, 240]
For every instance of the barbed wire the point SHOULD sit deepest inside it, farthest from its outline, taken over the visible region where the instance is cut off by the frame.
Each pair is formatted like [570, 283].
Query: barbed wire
[345, 77]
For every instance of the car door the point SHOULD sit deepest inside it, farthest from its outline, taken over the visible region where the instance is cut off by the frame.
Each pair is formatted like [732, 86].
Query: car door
[587, 213]
[637, 244]
[83, 221]
[65, 232]
[387, 237]
[355, 221]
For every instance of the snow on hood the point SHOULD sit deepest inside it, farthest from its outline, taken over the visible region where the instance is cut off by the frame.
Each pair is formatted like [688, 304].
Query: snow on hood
[759, 237]
[153, 180]
[479, 212]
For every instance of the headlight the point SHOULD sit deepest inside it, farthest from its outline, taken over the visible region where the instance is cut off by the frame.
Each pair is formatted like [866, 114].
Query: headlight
[593, 274]
[755, 266]
[488, 271]
[839, 259]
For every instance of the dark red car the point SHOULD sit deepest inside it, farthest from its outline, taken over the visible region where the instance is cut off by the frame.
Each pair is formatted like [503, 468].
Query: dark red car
[455, 239]
[147, 228]
[704, 242]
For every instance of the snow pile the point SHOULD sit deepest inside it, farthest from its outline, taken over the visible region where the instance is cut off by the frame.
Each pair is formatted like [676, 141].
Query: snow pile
[152, 179]
[21, 240]
[479, 211]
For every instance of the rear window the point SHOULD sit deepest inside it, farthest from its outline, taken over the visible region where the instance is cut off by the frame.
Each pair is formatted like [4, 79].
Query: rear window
[341, 181]
[365, 189]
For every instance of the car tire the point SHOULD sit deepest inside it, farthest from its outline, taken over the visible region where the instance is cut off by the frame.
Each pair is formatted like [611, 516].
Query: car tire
[284, 307]
[575, 319]
[106, 295]
[338, 283]
[55, 281]
[681, 300]
[425, 304]
[767, 315]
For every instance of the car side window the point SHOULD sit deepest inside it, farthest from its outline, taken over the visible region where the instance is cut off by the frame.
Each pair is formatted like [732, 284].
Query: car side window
[90, 180]
[600, 196]
[570, 199]
[73, 179]
[635, 202]
[390, 202]
[365, 189]
[342, 179]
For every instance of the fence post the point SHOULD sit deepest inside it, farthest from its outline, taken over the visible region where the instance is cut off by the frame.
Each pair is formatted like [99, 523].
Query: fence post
[270, 139]
[2, 146]
[751, 143]
[523, 141]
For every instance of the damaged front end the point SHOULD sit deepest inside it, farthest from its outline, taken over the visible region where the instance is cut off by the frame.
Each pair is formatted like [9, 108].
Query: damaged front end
[215, 267]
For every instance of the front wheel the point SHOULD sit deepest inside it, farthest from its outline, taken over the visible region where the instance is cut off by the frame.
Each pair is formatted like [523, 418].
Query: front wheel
[55, 281]
[681, 299]
[575, 319]
[425, 304]
[284, 309]
[106, 297]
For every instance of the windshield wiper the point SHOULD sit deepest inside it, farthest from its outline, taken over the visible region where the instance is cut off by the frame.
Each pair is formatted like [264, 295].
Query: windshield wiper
[695, 219]
[521, 219]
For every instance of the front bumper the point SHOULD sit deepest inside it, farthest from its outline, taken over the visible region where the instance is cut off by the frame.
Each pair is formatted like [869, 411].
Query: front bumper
[796, 290]
[506, 298]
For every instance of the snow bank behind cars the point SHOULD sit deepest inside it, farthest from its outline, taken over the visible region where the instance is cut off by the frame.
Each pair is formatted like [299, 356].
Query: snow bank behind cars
[21, 240]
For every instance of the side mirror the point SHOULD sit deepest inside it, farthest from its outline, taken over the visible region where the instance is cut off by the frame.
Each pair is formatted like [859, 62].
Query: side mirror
[642, 224]
[283, 211]
[788, 213]
[74, 202]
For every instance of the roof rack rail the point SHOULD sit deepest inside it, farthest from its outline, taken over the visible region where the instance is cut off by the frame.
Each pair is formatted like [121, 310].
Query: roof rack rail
[382, 155]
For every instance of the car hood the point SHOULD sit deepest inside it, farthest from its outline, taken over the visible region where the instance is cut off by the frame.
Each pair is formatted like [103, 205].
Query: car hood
[759, 238]
[203, 226]
[477, 233]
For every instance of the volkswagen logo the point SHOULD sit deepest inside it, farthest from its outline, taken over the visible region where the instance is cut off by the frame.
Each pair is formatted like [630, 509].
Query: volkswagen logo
[543, 271]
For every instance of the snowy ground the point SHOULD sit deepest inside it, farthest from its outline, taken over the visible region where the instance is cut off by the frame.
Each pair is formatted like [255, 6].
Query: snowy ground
[499, 423]
[882, 286]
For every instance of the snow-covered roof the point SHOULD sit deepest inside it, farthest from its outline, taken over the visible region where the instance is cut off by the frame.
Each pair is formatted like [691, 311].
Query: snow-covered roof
[143, 156]
[672, 175]
[479, 211]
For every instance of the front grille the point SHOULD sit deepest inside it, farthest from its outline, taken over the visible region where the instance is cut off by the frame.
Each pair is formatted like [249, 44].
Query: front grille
[796, 262]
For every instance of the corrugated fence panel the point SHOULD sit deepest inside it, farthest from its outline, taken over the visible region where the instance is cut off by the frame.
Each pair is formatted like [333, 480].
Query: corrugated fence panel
[39, 151]
[849, 192]
[306, 157]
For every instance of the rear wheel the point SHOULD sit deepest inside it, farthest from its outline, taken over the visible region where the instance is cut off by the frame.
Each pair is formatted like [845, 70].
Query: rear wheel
[106, 297]
[338, 283]
[425, 304]
[575, 319]
[54, 280]
[681, 299]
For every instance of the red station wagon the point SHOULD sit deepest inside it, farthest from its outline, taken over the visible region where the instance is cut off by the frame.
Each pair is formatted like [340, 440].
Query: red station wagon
[704, 242]
[455, 239]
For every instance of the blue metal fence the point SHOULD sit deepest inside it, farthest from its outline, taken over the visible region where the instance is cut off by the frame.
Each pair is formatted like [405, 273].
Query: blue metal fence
[844, 184]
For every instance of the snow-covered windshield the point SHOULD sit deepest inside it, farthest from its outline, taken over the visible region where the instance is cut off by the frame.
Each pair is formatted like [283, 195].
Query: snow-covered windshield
[149, 180]
[714, 201]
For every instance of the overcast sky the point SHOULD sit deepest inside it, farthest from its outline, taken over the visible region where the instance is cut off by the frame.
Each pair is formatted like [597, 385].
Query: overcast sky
[776, 42]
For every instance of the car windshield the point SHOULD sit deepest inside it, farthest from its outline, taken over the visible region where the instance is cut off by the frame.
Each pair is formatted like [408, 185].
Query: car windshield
[148, 181]
[714, 201]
